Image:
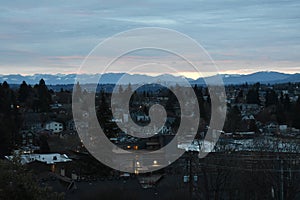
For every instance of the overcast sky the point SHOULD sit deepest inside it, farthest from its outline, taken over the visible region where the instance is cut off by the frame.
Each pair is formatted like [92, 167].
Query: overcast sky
[241, 36]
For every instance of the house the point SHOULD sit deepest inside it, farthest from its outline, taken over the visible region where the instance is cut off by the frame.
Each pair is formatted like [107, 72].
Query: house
[70, 125]
[56, 127]
[142, 118]
[27, 137]
[248, 109]
[271, 128]
[165, 129]
[283, 128]
[44, 158]
[55, 106]
[248, 117]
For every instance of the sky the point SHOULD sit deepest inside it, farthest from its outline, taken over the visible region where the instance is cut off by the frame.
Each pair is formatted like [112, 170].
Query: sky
[240, 36]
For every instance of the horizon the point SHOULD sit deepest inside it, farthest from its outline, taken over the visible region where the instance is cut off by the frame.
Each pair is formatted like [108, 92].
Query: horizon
[263, 77]
[152, 75]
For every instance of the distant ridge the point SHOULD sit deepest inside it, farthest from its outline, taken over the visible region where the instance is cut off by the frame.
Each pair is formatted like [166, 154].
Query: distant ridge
[112, 78]
[262, 77]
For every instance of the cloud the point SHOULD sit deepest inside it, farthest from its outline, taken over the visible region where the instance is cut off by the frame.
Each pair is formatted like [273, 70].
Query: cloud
[238, 34]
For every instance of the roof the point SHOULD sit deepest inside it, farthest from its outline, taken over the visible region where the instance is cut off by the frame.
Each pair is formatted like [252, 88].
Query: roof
[45, 158]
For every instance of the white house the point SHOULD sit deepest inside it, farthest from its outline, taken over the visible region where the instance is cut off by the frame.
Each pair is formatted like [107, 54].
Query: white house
[56, 127]
[142, 118]
[165, 129]
[45, 158]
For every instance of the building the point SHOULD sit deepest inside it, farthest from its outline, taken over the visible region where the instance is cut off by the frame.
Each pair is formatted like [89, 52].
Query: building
[44, 158]
[56, 127]
[27, 137]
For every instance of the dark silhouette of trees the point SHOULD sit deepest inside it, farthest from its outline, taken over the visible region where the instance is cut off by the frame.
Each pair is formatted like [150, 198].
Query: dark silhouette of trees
[233, 120]
[24, 92]
[27, 97]
[286, 102]
[199, 95]
[44, 146]
[9, 118]
[253, 97]
[44, 96]
[296, 113]
[18, 183]
[7, 98]
[104, 115]
[271, 98]
[240, 97]
[77, 93]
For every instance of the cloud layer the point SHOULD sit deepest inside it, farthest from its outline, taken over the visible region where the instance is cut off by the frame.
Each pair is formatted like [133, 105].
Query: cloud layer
[241, 36]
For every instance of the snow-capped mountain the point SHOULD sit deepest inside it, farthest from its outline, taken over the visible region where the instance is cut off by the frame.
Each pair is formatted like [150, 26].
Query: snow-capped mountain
[108, 78]
[262, 77]
[112, 78]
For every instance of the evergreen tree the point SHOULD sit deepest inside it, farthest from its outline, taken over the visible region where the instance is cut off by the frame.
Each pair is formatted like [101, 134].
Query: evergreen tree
[9, 118]
[121, 89]
[77, 93]
[253, 96]
[199, 95]
[240, 97]
[24, 92]
[6, 101]
[19, 184]
[233, 120]
[296, 111]
[286, 102]
[128, 89]
[104, 115]
[271, 98]
[44, 96]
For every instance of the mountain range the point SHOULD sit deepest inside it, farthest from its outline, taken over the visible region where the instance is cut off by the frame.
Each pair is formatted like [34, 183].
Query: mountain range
[112, 78]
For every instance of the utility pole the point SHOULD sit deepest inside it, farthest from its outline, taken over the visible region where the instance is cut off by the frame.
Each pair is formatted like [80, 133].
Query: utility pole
[191, 174]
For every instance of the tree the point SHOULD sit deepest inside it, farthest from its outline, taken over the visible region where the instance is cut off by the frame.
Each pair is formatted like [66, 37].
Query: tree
[6, 135]
[121, 89]
[23, 92]
[77, 93]
[233, 120]
[253, 97]
[104, 115]
[199, 95]
[296, 118]
[17, 183]
[128, 90]
[44, 146]
[286, 102]
[6, 98]
[9, 118]
[44, 96]
[240, 97]
[271, 98]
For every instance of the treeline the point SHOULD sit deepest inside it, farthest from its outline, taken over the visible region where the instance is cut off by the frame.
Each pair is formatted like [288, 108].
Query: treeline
[277, 106]
[274, 102]
[36, 98]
